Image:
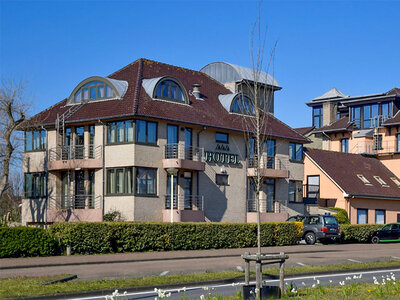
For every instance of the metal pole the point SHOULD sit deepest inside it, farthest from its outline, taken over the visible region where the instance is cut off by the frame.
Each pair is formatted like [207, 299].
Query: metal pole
[172, 197]
[247, 270]
[282, 275]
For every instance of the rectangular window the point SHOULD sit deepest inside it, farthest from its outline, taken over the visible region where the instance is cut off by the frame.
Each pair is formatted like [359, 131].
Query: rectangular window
[222, 137]
[313, 186]
[146, 181]
[398, 142]
[378, 142]
[119, 181]
[344, 145]
[120, 132]
[380, 216]
[146, 132]
[317, 116]
[270, 194]
[295, 191]
[35, 185]
[295, 152]
[362, 216]
[386, 109]
[221, 179]
[356, 116]
[35, 140]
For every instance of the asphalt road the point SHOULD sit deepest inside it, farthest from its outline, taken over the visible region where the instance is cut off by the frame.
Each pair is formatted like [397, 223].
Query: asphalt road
[231, 289]
[181, 262]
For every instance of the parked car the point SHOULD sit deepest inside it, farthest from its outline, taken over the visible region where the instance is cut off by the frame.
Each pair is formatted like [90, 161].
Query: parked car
[388, 233]
[322, 228]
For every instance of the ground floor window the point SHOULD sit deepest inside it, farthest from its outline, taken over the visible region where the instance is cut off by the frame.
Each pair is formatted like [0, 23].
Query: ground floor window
[380, 216]
[270, 194]
[362, 216]
[119, 180]
[35, 185]
[295, 191]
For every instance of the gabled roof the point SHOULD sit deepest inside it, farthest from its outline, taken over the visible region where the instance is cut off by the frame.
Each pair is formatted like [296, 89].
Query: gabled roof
[343, 169]
[304, 130]
[393, 121]
[331, 94]
[342, 124]
[208, 112]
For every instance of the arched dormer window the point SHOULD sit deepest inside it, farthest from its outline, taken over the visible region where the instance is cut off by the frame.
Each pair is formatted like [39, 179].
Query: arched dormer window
[242, 105]
[169, 89]
[98, 88]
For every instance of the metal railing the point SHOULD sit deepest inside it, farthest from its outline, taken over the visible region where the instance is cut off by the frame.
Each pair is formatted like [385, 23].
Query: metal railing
[75, 152]
[264, 205]
[191, 202]
[374, 122]
[268, 162]
[183, 152]
[75, 202]
[375, 147]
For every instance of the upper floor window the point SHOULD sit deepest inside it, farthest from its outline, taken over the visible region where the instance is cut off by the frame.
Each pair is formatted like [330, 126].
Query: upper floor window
[119, 180]
[35, 186]
[221, 137]
[169, 90]
[146, 132]
[295, 152]
[93, 90]
[35, 140]
[242, 105]
[398, 142]
[371, 115]
[120, 132]
[344, 145]
[317, 116]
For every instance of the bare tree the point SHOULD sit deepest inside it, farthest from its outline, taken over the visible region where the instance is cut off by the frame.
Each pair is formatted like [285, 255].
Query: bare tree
[13, 110]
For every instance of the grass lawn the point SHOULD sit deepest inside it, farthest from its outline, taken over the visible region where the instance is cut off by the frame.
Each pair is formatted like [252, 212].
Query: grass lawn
[24, 286]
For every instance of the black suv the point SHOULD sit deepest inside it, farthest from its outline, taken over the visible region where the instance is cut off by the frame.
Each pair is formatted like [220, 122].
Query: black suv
[322, 228]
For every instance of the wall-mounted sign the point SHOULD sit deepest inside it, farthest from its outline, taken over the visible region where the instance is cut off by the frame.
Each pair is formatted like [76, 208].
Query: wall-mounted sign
[223, 158]
[222, 147]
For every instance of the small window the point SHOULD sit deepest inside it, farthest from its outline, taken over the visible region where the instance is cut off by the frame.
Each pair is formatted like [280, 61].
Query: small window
[169, 90]
[396, 181]
[317, 116]
[295, 191]
[362, 216]
[222, 137]
[381, 181]
[221, 179]
[146, 181]
[380, 216]
[363, 179]
[295, 152]
[344, 145]
[242, 105]
[146, 132]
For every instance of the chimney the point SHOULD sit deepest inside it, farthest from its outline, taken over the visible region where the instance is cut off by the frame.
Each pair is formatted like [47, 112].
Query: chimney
[196, 91]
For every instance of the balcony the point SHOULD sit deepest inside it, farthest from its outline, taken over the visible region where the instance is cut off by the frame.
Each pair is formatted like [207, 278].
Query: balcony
[75, 208]
[75, 157]
[177, 156]
[270, 167]
[186, 208]
[268, 213]
[375, 146]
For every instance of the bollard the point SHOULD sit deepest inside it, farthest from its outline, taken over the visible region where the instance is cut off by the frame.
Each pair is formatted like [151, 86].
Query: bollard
[68, 250]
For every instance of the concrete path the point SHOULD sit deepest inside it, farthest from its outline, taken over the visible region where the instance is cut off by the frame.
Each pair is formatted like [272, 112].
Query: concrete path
[180, 262]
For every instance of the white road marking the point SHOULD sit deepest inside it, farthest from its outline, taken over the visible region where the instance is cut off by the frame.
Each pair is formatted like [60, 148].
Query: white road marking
[240, 268]
[164, 273]
[354, 260]
[301, 264]
[253, 282]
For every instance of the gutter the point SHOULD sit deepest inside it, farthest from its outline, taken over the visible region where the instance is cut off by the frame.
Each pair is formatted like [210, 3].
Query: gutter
[374, 197]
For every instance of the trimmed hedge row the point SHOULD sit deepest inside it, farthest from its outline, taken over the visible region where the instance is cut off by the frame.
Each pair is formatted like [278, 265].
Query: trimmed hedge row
[26, 241]
[90, 238]
[357, 233]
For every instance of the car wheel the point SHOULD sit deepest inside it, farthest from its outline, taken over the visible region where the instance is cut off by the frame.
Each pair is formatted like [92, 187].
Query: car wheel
[375, 240]
[310, 238]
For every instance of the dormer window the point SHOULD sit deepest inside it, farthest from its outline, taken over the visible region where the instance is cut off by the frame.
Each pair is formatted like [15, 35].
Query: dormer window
[363, 179]
[98, 88]
[242, 105]
[169, 90]
[381, 181]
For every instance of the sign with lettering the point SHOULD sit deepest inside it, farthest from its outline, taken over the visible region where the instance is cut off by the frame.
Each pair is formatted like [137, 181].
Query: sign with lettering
[222, 147]
[223, 158]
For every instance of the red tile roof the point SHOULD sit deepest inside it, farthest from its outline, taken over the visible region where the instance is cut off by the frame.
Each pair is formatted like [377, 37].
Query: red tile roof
[344, 167]
[304, 130]
[136, 102]
[342, 124]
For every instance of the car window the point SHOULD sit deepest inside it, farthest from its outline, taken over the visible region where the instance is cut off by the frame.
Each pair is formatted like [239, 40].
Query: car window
[314, 220]
[292, 219]
[330, 220]
[395, 227]
[386, 227]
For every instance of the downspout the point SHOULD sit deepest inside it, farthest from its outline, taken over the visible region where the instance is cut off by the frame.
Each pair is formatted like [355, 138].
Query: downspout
[104, 169]
[198, 174]
[46, 161]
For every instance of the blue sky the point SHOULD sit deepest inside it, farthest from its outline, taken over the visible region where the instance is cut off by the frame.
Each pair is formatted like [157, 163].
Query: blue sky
[351, 45]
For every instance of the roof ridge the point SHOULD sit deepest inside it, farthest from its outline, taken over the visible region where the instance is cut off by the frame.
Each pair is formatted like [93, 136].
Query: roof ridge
[123, 68]
[138, 86]
[292, 129]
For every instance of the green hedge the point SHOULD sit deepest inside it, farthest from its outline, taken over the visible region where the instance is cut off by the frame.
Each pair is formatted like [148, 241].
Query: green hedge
[358, 233]
[26, 241]
[118, 237]
[341, 215]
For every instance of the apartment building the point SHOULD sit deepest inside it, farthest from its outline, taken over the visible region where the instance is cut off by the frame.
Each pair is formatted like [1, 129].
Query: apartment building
[151, 134]
[367, 127]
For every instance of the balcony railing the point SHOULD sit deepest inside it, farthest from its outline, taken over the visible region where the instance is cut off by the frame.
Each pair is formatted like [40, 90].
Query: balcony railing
[190, 202]
[268, 162]
[75, 152]
[181, 151]
[75, 202]
[264, 205]
[375, 147]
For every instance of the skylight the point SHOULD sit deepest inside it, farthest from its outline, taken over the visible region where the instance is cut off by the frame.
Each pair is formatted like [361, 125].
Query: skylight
[363, 179]
[396, 181]
[381, 181]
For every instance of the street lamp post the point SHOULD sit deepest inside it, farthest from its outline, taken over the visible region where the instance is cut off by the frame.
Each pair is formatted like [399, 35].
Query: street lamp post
[173, 173]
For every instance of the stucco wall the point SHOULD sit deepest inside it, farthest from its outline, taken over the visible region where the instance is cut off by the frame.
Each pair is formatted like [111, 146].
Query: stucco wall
[392, 208]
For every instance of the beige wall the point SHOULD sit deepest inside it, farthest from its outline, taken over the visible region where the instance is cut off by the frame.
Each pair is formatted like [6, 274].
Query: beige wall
[392, 209]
